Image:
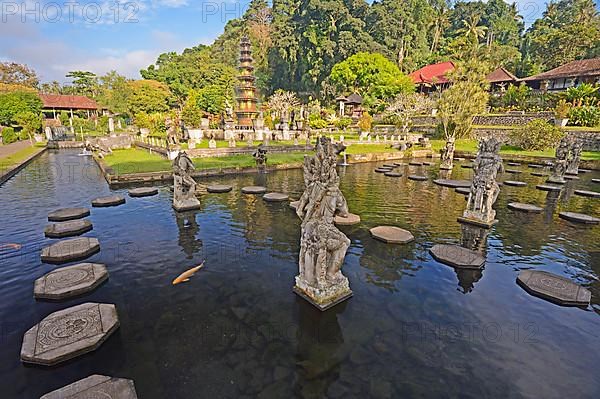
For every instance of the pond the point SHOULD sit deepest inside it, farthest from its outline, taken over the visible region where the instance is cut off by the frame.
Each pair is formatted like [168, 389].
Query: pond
[414, 327]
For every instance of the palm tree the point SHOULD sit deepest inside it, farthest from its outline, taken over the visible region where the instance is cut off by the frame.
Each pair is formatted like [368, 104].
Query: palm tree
[472, 30]
[440, 22]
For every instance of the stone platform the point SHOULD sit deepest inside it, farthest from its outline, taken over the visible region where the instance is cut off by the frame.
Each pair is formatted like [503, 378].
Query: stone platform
[595, 180]
[518, 206]
[415, 163]
[393, 174]
[417, 177]
[95, 387]
[513, 164]
[457, 256]
[111, 200]
[275, 197]
[514, 171]
[391, 234]
[69, 333]
[585, 193]
[383, 170]
[463, 190]
[514, 183]
[254, 190]
[578, 218]
[545, 187]
[348, 220]
[453, 183]
[70, 250]
[70, 281]
[540, 174]
[554, 288]
[65, 214]
[320, 306]
[477, 222]
[68, 229]
[219, 188]
[143, 192]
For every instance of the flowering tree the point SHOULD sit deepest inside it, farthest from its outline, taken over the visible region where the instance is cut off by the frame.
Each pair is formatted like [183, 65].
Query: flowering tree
[406, 106]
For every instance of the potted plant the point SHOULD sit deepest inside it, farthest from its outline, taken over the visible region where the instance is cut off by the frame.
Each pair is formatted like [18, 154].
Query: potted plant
[561, 113]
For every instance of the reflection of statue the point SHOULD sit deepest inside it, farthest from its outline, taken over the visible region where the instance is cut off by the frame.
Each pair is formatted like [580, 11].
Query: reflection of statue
[574, 156]
[322, 246]
[188, 229]
[447, 154]
[560, 162]
[260, 157]
[484, 189]
[474, 238]
[184, 191]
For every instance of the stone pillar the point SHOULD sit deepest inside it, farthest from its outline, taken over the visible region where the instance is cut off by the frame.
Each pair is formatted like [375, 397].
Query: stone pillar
[111, 125]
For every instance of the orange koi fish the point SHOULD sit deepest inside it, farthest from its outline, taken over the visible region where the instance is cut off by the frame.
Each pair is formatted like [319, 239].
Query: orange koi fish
[185, 276]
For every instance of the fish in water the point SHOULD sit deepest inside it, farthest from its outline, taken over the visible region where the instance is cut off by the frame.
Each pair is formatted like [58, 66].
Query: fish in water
[185, 276]
[16, 247]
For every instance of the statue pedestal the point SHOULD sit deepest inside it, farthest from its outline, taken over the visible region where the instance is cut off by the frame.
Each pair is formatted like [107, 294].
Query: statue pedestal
[183, 200]
[477, 222]
[323, 298]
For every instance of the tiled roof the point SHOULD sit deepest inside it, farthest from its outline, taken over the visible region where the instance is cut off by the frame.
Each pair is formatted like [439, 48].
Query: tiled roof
[589, 67]
[435, 73]
[501, 75]
[354, 99]
[67, 102]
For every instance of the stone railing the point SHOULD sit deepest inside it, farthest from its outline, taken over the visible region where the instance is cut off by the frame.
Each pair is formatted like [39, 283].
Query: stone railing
[507, 119]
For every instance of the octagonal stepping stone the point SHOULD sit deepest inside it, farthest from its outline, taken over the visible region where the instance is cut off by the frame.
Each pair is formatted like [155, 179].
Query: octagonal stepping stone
[391, 234]
[254, 190]
[586, 193]
[595, 180]
[545, 187]
[427, 163]
[513, 163]
[457, 256]
[111, 200]
[347, 220]
[539, 174]
[417, 177]
[70, 281]
[143, 192]
[458, 159]
[382, 170]
[556, 180]
[571, 177]
[463, 190]
[514, 183]
[512, 171]
[399, 164]
[294, 204]
[584, 170]
[467, 166]
[69, 250]
[389, 165]
[96, 386]
[276, 197]
[415, 163]
[554, 288]
[68, 229]
[62, 215]
[393, 174]
[578, 218]
[535, 165]
[518, 206]
[69, 333]
[453, 183]
[219, 188]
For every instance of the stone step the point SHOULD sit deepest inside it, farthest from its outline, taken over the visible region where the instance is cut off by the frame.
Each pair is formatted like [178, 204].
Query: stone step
[219, 188]
[96, 386]
[275, 197]
[585, 193]
[417, 177]
[61, 215]
[457, 256]
[514, 183]
[554, 288]
[70, 250]
[348, 220]
[578, 218]
[68, 228]
[391, 234]
[143, 192]
[111, 200]
[254, 190]
[70, 281]
[518, 206]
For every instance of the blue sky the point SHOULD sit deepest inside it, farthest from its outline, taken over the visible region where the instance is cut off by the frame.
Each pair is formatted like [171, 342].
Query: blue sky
[56, 36]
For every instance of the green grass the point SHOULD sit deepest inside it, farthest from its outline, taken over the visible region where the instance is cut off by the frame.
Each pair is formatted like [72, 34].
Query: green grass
[16, 158]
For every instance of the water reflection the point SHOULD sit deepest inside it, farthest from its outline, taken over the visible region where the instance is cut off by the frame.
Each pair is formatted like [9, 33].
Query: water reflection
[188, 229]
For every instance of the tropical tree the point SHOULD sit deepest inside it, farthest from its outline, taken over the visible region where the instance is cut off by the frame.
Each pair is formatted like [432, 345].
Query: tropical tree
[18, 102]
[12, 73]
[406, 106]
[147, 96]
[282, 102]
[84, 82]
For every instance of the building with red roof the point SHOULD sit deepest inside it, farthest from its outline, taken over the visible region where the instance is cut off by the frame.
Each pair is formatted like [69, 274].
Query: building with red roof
[53, 103]
[432, 76]
[571, 74]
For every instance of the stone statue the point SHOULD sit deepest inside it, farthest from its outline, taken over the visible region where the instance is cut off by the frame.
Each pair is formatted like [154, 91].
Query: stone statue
[172, 138]
[228, 110]
[322, 246]
[574, 156]
[184, 198]
[260, 157]
[560, 162]
[484, 189]
[447, 154]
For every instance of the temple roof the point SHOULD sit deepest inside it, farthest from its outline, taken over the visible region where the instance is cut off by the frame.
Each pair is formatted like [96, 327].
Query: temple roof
[589, 67]
[67, 102]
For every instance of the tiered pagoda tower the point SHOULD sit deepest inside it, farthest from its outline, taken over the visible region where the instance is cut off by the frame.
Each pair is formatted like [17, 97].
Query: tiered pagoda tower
[246, 91]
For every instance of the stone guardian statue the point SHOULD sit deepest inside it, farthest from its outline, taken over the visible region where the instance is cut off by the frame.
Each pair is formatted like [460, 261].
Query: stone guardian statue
[184, 190]
[574, 157]
[560, 162]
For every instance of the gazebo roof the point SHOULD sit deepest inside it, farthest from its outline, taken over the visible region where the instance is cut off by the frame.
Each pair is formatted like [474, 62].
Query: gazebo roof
[354, 98]
[501, 75]
[60, 101]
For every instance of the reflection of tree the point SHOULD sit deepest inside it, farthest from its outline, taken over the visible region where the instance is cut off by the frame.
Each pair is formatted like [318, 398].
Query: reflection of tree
[188, 230]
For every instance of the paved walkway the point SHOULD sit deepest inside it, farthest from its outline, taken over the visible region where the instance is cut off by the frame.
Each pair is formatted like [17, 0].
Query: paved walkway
[9, 149]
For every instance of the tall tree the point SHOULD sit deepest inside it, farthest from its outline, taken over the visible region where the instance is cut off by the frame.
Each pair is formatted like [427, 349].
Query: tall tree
[18, 74]
[84, 82]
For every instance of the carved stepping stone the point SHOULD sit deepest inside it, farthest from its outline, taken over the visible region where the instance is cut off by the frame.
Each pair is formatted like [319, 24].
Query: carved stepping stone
[111, 200]
[554, 288]
[540, 174]
[415, 163]
[276, 197]
[391, 234]
[254, 190]
[67, 229]
[382, 170]
[69, 250]
[294, 204]
[545, 187]
[518, 206]
[463, 190]
[348, 220]
[69, 333]
[595, 180]
[535, 165]
[571, 177]
[513, 164]
[70, 281]
[585, 193]
[219, 188]
[62, 215]
[467, 166]
[578, 218]
[512, 171]
[417, 177]
[393, 174]
[457, 256]
[453, 183]
[143, 191]
[96, 386]
[514, 183]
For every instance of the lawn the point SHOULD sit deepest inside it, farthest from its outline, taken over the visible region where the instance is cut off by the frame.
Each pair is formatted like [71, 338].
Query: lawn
[14, 159]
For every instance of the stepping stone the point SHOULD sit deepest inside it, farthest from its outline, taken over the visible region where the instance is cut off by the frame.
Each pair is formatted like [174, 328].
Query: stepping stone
[556, 180]
[393, 174]
[391, 234]
[554, 288]
[143, 191]
[69, 333]
[457, 256]
[254, 190]
[518, 206]
[399, 164]
[542, 174]
[578, 218]
[512, 171]
[585, 193]
[459, 159]
[427, 164]
[417, 177]
[69, 250]
[584, 170]
[348, 220]
[463, 190]
[467, 166]
[70, 281]
[545, 187]
[453, 183]
[219, 188]
[387, 165]
[294, 204]
[535, 165]
[414, 163]
[67, 229]
[276, 197]
[595, 180]
[61, 215]
[571, 177]
[513, 163]
[514, 183]
[382, 170]
[111, 200]
[96, 386]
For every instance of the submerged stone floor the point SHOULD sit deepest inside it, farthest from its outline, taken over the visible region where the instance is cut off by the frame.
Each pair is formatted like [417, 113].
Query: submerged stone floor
[96, 387]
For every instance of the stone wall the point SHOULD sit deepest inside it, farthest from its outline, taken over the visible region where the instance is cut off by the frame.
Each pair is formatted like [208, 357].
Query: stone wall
[507, 119]
[120, 142]
[591, 139]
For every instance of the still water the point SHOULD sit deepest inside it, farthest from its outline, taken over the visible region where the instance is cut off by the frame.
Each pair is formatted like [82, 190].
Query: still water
[414, 328]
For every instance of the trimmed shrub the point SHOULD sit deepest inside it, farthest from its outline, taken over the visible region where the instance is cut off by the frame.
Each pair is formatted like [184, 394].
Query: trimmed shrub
[9, 135]
[586, 115]
[536, 135]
